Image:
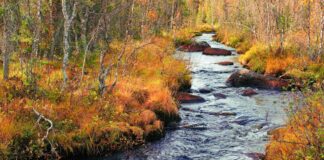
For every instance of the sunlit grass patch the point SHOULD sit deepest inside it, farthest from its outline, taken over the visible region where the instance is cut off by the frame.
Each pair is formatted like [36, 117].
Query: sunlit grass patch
[255, 57]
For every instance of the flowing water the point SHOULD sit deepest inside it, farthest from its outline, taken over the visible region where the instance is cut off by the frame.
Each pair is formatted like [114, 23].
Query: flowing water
[217, 137]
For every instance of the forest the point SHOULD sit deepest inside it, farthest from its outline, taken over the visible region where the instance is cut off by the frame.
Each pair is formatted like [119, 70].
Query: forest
[92, 78]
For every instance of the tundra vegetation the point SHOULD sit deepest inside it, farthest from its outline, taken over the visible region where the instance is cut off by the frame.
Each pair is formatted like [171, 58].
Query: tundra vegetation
[90, 77]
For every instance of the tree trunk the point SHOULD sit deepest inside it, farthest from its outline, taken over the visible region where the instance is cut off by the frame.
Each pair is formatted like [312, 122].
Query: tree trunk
[213, 13]
[282, 40]
[172, 15]
[7, 44]
[38, 25]
[68, 19]
[320, 50]
[309, 26]
[225, 8]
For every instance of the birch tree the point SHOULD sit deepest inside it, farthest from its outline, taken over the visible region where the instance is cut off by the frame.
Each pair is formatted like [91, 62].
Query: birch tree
[68, 19]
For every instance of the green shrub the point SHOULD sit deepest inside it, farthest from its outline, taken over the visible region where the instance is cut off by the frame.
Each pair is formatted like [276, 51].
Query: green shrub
[234, 41]
[255, 57]
[317, 70]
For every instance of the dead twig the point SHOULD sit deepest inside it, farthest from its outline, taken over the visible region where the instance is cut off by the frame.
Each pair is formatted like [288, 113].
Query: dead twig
[40, 117]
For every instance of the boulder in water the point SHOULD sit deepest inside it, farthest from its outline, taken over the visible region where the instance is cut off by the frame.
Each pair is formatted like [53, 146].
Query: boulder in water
[256, 156]
[205, 90]
[194, 47]
[220, 96]
[249, 92]
[226, 63]
[223, 114]
[217, 52]
[246, 78]
[189, 98]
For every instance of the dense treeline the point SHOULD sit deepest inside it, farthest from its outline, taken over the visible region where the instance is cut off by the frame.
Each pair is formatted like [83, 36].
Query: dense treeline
[272, 20]
[36, 29]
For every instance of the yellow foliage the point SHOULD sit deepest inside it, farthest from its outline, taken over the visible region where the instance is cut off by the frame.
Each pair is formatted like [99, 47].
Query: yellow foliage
[303, 136]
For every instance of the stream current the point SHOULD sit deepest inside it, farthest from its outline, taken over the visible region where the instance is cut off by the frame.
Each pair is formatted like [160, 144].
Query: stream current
[230, 137]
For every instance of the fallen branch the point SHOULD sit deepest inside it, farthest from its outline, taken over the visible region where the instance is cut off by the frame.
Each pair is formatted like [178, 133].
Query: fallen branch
[40, 117]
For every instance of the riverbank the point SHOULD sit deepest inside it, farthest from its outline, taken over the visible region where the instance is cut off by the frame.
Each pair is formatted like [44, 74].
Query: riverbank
[291, 62]
[302, 136]
[41, 122]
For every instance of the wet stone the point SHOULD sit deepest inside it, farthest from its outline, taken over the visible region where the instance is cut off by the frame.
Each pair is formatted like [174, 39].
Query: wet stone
[205, 90]
[256, 156]
[189, 98]
[249, 92]
[217, 52]
[220, 96]
[226, 63]
[244, 120]
[183, 158]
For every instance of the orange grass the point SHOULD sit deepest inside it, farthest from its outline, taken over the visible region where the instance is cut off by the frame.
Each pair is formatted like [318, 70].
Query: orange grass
[85, 123]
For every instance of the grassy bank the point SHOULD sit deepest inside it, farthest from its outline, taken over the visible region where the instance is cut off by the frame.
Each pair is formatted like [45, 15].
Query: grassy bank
[302, 137]
[293, 60]
[40, 121]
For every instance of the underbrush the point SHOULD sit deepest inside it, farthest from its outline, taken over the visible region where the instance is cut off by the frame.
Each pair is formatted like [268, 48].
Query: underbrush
[303, 136]
[84, 122]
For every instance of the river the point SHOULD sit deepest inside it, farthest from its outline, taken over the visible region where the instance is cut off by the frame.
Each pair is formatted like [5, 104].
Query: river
[217, 137]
